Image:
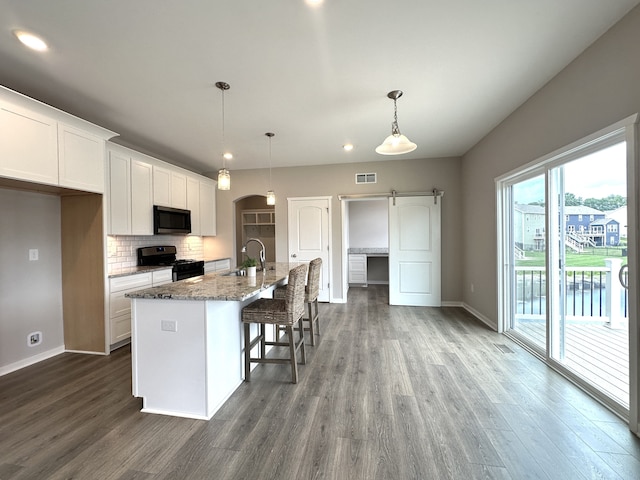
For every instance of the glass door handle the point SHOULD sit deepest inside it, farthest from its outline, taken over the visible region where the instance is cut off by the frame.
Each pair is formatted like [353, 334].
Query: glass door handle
[622, 277]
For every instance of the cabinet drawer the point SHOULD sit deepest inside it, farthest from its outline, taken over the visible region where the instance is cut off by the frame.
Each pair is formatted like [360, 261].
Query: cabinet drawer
[161, 277]
[359, 267]
[357, 277]
[209, 267]
[120, 328]
[140, 280]
[223, 264]
[119, 304]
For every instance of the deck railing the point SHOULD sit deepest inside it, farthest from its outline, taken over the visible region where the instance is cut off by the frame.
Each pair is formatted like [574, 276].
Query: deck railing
[586, 295]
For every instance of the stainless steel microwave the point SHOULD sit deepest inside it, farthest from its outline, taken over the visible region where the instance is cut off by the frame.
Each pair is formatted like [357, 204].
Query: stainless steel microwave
[171, 220]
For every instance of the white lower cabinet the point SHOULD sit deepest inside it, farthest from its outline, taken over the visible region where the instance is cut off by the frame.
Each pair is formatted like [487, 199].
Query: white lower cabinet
[217, 265]
[120, 306]
[160, 277]
[357, 269]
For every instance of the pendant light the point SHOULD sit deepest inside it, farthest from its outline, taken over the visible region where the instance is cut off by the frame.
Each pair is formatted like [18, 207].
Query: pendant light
[396, 143]
[224, 178]
[271, 195]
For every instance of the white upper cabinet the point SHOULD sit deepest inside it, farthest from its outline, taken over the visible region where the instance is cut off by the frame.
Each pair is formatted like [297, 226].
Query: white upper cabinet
[138, 181]
[80, 159]
[42, 144]
[119, 215]
[207, 208]
[193, 204]
[141, 197]
[178, 190]
[161, 186]
[169, 187]
[28, 145]
[130, 193]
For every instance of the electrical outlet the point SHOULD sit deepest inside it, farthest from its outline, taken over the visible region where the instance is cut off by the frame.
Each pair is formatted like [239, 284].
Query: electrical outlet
[33, 254]
[34, 338]
[169, 326]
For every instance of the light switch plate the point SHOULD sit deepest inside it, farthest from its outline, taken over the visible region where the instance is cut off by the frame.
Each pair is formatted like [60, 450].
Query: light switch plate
[33, 254]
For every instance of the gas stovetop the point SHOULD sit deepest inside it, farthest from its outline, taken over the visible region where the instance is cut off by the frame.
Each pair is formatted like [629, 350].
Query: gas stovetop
[162, 255]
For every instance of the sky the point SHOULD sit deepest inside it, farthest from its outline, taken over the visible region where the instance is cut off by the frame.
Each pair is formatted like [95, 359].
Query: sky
[597, 175]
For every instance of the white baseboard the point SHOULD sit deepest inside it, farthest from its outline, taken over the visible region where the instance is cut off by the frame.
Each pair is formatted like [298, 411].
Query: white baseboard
[12, 367]
[486, 320]
[451, 304]
[86, 352]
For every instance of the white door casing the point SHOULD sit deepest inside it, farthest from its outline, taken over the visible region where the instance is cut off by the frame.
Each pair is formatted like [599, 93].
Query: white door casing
[415, 251]
[309, 220]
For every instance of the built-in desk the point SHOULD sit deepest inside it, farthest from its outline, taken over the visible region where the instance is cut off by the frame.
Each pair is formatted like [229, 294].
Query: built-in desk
[368, 265]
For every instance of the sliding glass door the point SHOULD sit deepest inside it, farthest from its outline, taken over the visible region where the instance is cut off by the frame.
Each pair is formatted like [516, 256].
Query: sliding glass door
[528, 253]
[564, 236]
[588, 327]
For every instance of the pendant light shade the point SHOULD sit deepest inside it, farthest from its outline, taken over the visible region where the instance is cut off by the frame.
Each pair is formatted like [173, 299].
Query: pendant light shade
[224, 177]
[271, 195]
[396, 143]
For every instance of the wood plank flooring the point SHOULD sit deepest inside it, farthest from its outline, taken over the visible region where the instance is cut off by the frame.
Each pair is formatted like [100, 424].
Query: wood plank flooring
[388, 393]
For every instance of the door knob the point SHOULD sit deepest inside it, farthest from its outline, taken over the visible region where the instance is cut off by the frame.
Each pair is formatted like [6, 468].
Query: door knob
[293, 255]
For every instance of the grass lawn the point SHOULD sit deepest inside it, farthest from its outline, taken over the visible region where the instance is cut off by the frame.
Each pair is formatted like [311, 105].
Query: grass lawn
[593, 257]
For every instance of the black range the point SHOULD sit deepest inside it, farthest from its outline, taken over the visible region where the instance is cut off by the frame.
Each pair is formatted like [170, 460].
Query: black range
[165, 255]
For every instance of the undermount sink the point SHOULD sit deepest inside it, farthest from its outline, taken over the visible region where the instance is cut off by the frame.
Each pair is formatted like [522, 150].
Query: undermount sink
[243, 273]
[235, 273]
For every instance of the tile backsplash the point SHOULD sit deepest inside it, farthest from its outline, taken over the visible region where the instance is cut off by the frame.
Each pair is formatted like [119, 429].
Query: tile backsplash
[122, 250]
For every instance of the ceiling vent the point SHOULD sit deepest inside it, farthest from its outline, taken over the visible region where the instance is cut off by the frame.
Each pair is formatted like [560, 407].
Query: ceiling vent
[366, 178]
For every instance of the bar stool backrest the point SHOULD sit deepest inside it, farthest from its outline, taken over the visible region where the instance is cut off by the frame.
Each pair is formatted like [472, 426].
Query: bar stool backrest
[313, 283]
[294, 299]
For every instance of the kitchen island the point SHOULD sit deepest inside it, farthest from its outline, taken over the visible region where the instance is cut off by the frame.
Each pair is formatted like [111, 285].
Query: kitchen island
[187, 340]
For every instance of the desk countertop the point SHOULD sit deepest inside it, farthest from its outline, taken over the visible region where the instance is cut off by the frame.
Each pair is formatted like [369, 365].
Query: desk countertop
[370, 251]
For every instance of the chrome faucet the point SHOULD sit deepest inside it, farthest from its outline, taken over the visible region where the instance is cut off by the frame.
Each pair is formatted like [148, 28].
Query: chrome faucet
[262, 249]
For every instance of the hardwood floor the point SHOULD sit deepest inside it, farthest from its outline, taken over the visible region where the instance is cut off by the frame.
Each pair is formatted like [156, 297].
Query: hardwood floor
[388, 393]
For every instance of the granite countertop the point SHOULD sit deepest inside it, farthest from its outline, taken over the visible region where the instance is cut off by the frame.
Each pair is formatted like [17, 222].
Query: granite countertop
[216, 286]
[124, 271]
[370, 251]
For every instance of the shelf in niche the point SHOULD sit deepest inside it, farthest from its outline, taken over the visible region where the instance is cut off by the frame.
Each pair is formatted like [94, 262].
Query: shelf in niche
[258, 217]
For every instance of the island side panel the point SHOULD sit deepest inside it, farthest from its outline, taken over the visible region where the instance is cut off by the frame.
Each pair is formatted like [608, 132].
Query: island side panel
[169, 367]
[224, 352]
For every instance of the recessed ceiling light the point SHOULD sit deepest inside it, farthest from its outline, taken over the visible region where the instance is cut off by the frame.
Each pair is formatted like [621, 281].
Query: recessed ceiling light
[228, 155]
[314, 3]
[347, 147]
[30, 40]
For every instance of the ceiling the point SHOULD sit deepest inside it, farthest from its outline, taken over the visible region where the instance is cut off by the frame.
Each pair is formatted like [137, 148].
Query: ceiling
[315, 76]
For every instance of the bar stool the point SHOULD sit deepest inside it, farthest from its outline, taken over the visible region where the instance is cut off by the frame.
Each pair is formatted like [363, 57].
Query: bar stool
[312, 290]
[284, 313]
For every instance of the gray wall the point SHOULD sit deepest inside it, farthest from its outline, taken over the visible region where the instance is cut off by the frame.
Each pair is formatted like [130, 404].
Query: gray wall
[30, 291]
[369, 223]
[332, 180]
[599, 88]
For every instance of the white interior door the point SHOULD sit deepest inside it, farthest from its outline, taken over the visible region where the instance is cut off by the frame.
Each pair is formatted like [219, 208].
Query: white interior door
[309, 235]
[414, 251]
